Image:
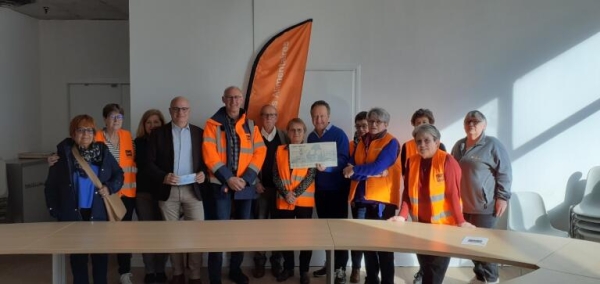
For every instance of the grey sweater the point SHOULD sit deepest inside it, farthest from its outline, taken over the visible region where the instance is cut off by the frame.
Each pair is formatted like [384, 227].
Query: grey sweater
[486, 174]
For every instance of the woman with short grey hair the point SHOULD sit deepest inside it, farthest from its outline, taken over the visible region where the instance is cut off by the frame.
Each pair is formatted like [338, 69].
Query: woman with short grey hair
[485, 183]
[431, 195]
[374, 170]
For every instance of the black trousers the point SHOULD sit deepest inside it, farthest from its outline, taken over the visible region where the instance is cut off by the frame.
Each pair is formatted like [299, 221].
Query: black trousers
[383, 261]
[333, 204]
[433, 268]
[305, 255]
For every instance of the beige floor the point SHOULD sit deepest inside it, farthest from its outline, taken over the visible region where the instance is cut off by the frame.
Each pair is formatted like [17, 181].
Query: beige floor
[38, 269]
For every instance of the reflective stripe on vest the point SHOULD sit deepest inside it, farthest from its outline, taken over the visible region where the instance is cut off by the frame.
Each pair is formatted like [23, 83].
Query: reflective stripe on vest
[382, 189]
[441, 209]
[291, 180]
[126, 161]
[248, 146]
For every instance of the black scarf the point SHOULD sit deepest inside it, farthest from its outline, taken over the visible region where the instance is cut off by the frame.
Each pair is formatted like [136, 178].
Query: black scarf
[91, 155]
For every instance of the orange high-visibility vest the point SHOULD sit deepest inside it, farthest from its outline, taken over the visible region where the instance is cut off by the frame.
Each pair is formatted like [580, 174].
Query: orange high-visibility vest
[441, 209]
[126, 161]
[382, 189]
[291, 180]
[411, 149]
[214, 151]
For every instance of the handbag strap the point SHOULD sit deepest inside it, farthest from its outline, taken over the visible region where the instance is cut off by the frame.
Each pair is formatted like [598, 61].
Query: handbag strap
[86, 167]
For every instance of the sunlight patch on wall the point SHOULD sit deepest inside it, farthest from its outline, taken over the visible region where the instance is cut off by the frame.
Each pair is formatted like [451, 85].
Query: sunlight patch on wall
[557, 89]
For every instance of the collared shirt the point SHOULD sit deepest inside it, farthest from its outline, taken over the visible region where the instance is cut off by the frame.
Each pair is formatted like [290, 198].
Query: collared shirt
[268, 136]
[182, 148]
[324, 130]
[233, 143]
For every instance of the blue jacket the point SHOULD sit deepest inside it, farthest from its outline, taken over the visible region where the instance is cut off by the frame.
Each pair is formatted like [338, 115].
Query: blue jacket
[62, 191]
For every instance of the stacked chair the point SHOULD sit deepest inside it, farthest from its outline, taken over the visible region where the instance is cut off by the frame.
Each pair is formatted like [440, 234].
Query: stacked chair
[585, 216]
[527, 213]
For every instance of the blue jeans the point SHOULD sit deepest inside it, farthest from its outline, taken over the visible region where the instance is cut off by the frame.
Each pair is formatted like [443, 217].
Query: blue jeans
[222, 210]
[484, 271]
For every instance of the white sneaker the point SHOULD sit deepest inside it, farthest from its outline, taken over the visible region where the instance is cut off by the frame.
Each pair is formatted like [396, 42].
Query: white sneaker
[126, 278]
[477, 281]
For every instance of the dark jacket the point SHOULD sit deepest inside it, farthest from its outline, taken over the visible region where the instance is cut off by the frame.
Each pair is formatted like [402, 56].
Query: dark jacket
[161, 156]
[62, 197]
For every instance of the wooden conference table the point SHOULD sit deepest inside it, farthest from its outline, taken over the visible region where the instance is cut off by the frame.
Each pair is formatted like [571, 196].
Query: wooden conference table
[556, 260]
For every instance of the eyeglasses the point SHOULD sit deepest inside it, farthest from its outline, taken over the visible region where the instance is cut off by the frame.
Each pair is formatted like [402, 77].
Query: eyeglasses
[269, 115]
[231, 98]
[83, 130]
[473, 121]
[361, 126]
[116, 117]
[179, 109]
[376, 122]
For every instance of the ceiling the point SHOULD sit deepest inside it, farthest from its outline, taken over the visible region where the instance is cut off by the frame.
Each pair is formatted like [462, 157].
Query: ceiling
[75, 9]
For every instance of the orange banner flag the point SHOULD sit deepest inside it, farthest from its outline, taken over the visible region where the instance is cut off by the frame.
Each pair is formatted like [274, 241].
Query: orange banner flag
[278, 74]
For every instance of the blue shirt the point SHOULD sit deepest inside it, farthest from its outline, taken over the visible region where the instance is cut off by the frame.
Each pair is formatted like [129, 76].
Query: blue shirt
[182, 149]
[86, 188]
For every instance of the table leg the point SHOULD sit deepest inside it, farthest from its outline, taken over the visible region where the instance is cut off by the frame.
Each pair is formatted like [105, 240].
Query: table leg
[58, 269]
[329, 261]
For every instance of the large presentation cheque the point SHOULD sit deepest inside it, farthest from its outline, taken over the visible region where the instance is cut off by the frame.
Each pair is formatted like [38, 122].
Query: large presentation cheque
[308, 155]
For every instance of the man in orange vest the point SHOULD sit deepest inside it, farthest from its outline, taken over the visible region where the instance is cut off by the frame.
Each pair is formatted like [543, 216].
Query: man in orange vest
[175, 162]
[234, 152]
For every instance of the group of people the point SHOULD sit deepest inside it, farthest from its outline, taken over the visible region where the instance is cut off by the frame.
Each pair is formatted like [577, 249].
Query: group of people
[234, 169]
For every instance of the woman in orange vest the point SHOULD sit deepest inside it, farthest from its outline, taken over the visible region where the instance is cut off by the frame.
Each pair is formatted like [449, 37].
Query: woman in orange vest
[120, 144]
[409, 148]
[432, 194]
[296, 196]
[377, 152]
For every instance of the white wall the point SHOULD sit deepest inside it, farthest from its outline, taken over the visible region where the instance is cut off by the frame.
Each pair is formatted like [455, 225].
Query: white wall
[19, 84]
[532, 67]
[77, 52]
[188, 48]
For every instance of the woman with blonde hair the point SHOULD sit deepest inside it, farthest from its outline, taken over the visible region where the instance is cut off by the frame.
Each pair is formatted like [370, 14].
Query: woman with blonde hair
[146, 206]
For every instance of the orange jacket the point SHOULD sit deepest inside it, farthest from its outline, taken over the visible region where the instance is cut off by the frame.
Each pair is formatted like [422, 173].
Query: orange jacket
[382, 189]
[291, 179]
[126, 161]
[215, 149]
[441, 209]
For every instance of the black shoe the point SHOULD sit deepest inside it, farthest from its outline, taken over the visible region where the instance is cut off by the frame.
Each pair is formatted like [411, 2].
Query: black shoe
[160, 278]
[150, 278]
[276, 269]
[238, 277]
[304, 279]
[321, 272]
[285, 274]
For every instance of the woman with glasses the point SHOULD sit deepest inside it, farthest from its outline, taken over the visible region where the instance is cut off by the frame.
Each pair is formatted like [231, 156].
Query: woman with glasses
[485, 184]
[295, 196]
[374, 170]
[71, 194]
[431, 195]
[409, 148]
[121, 146]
